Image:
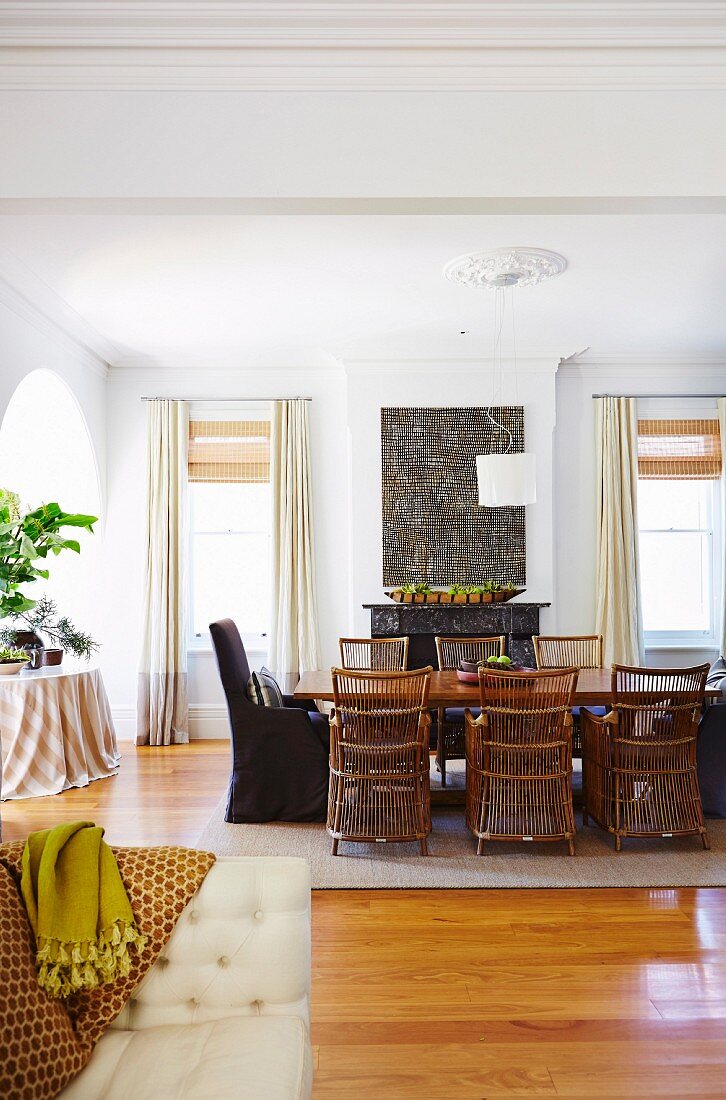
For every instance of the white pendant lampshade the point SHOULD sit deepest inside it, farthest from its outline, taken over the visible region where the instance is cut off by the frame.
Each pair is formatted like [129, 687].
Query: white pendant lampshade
[506, 480]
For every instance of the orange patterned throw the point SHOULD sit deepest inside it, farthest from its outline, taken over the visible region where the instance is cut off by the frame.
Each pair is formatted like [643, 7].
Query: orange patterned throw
[44, 1043]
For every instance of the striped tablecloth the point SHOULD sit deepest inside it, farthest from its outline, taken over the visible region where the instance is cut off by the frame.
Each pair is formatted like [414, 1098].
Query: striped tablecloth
[56, 730]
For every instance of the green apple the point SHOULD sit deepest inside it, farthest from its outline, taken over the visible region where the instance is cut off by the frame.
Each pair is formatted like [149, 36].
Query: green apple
[504, 661]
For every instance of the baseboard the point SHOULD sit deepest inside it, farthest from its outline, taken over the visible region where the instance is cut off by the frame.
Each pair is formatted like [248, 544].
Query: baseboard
[207, 722]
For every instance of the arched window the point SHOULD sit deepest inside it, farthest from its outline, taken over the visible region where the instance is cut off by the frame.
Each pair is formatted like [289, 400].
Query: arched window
[46, 455]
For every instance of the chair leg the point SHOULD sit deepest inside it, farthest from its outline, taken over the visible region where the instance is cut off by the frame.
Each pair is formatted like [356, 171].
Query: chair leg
[480, 847]
[618, 842]
[334, 847]
[442, 756]
[424, 846]
[571, 845]
[705, 841]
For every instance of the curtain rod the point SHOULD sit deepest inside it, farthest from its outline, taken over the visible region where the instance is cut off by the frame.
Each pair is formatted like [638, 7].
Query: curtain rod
[674, 396]
[201, 400]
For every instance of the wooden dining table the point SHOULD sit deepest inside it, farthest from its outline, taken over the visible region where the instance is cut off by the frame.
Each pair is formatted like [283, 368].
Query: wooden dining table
[594, 689]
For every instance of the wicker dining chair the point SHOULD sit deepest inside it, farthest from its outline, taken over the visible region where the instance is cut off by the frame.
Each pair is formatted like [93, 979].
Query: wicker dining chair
[379, 757]
[639, 761]
[519, 757]
[570, 651]
[374, 654]
[450, 720]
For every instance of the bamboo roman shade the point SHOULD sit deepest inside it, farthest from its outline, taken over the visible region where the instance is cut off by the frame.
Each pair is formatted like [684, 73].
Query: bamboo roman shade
[229, 451]
[679, 450]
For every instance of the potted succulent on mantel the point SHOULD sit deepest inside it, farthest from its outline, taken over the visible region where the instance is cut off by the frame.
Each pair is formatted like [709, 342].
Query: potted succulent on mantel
[26, 541]
[458, 593]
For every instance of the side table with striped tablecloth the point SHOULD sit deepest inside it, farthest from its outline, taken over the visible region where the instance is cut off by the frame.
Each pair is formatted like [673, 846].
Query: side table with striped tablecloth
[56, 730]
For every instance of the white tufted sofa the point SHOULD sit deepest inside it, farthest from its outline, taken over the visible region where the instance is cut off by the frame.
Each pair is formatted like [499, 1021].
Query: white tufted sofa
[224, 1011]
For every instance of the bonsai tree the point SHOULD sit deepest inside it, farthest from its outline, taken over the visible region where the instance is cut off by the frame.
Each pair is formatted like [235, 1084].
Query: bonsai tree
[26, 541]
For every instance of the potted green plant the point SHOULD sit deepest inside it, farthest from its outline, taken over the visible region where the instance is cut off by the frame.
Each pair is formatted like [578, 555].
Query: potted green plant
[406, 591]
[457, 593]
[420, 593]
[473, 593]
[12, 660]
[509, 590]
[486, 592]
[27, 540]
[497, 592]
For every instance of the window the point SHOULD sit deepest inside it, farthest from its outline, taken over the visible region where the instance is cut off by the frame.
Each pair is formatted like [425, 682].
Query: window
[230, 511]
[679, 466]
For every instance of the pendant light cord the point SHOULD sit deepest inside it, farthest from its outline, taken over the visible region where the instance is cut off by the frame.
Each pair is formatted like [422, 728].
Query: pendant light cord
[497, 364]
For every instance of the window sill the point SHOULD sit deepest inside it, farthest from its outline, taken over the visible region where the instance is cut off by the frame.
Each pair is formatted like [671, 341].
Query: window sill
[659, 646]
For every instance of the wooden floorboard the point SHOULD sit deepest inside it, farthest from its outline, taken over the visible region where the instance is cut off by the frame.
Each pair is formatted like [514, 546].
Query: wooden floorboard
[467, 995]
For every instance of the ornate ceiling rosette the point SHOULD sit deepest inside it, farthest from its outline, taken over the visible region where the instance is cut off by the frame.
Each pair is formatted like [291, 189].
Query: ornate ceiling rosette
[504, 267]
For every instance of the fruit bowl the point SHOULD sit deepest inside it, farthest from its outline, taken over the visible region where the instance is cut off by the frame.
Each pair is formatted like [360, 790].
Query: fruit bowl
[468, 671]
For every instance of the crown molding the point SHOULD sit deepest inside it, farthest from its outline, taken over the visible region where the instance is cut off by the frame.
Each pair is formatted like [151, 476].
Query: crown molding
[635, 371]
[344, 205]
[204, 379]
[410, 45]
[47, 326]
[534, 362]
[226, 363]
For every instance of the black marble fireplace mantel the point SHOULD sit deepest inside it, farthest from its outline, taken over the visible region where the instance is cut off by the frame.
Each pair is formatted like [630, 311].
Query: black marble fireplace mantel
[422, 622]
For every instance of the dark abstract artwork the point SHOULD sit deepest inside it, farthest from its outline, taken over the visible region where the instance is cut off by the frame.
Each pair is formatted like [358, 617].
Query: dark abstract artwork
[433, 529]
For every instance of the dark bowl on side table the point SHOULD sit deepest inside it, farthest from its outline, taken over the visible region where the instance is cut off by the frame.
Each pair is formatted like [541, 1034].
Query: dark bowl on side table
[44, 657]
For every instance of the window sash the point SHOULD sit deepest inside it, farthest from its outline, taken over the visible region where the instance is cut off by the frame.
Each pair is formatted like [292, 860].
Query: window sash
[710, 533]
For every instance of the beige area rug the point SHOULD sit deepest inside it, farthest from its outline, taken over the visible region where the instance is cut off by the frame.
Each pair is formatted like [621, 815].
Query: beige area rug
[453, 863]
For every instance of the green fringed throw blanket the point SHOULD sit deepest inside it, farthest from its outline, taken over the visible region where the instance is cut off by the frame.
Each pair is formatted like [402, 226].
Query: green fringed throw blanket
[78, 909]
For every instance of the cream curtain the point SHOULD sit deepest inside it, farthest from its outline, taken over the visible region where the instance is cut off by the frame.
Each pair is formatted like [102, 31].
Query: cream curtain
[722, 426]
[162, 711]
[294, 646]
[617, 586]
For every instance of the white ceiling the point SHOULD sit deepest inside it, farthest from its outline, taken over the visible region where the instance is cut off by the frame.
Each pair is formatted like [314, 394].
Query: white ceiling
[298, 290]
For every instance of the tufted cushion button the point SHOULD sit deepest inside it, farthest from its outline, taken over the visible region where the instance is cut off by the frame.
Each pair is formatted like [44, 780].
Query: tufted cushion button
[193, 1002]
[193, 917]
[163, 961]
[259, 914]
[223, 961]
[133, 1002]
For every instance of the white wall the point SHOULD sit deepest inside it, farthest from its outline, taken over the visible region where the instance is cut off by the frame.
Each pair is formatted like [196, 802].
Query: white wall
[345, 429]
[29, 342]
[575, 480]
[373, 385]
[345, 440]
[125, 550]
